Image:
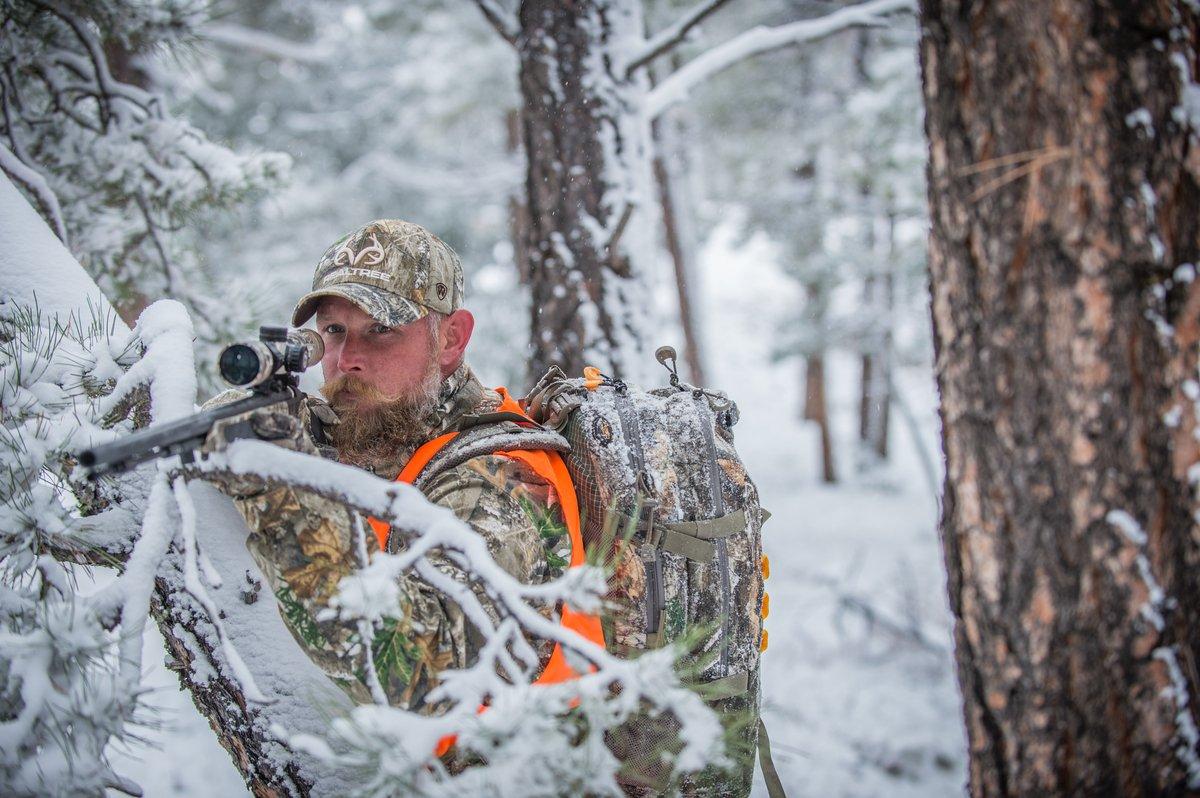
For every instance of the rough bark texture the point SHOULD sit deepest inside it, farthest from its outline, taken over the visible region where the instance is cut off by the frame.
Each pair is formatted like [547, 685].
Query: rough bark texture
[1065, 199]
[242, 728]
[583, 146]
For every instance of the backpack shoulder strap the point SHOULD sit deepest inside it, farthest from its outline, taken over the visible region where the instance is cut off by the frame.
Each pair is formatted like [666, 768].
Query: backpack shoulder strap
[485, 439]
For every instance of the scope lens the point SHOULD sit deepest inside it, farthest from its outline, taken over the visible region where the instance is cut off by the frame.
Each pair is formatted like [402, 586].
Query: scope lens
[239, 364]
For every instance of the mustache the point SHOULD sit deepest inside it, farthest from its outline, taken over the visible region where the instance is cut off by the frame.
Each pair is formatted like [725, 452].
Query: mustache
[347, 386]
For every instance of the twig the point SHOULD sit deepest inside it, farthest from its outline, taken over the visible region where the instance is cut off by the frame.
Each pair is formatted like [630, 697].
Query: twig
[500, 19]
[20, 172]
[613, 240]
[236, 37]
[1003, 160]
[99, 64]
[1056, 154]
[670, 38]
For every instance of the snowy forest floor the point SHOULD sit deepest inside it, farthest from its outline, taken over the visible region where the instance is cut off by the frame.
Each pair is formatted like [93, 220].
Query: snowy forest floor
[859, 697]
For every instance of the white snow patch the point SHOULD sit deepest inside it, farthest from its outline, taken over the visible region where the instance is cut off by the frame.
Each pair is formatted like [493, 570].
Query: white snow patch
[1188, 737]
[1141, 117]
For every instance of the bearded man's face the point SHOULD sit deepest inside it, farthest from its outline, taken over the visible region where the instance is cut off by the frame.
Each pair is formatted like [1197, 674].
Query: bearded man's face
[383, 382]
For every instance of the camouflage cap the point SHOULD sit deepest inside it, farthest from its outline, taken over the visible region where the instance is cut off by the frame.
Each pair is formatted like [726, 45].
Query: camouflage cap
[394, 270]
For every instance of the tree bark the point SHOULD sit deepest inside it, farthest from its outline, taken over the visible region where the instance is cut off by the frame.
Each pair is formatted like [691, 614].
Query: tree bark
[1065, 207]
[587, 180]
[518, 211]
[815, 410]
[302, 697]
[242, 728]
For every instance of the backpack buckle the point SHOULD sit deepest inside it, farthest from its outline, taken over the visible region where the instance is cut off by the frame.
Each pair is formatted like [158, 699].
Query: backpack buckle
[651, 534]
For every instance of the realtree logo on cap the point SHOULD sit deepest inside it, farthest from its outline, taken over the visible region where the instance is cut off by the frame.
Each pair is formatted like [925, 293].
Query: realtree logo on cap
[349, 260]
[369, 256]
[337, 275]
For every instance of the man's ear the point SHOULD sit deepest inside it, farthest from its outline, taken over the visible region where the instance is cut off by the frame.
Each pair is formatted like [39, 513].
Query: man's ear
[456, 332]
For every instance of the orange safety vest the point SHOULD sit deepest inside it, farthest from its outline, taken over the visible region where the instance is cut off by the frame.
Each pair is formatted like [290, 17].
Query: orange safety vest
[548, 465]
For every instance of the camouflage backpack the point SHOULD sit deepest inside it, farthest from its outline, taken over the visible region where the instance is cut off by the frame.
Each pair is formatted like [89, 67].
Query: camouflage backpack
[668, 504]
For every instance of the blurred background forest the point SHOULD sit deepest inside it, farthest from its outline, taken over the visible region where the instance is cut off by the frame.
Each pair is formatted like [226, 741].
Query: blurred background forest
[786, 261]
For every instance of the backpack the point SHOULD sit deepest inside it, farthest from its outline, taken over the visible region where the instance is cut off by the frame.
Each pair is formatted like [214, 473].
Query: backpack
[667, 504]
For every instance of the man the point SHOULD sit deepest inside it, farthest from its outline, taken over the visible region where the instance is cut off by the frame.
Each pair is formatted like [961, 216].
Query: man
[387, 300]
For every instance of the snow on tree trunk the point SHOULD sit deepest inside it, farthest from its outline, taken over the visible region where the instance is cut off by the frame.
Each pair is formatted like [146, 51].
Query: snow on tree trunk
[1065, 192]
[588, 183]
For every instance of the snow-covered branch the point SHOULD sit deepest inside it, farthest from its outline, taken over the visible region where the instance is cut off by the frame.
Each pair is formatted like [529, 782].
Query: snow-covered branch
[675, 88]
[240, 37]
[97, 150]
[671, 37]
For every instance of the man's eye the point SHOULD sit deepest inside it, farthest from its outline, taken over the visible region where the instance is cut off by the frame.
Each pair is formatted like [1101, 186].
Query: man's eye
[380, 329]
[332, 329]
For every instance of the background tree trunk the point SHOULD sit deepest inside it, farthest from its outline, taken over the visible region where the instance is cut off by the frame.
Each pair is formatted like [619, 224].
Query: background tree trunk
[1065, 211]
[816, 410]
[875, 400]
[587, 150]
[673, 232]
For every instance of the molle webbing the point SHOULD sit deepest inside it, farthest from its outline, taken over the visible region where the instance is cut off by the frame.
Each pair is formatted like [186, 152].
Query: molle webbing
[691, 539]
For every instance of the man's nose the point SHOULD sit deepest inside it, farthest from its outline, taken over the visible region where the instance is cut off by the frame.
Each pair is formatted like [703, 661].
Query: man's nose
[350, 356]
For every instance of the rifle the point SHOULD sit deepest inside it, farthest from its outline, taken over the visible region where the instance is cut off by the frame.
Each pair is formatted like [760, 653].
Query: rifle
[270, 367]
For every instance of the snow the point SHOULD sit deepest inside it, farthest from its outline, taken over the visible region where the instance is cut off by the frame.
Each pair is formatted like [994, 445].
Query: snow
[1188, 742]
[1128, 526]
[1157, 601]
[1188, 110]
[852, 708]
[35, 267]
[1141, 117]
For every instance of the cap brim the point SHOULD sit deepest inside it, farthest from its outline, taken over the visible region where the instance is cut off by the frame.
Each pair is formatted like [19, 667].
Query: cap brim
[383, 306]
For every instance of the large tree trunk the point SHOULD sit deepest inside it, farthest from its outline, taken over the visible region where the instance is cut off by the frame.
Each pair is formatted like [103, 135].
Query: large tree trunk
[1064, 191]
[588, 182]
[302, 697]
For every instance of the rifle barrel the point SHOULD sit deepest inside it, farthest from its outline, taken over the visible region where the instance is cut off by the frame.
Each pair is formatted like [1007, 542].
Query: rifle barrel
[172, 437]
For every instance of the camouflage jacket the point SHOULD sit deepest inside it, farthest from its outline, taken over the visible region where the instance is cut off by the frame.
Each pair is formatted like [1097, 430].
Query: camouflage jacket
[305, 544]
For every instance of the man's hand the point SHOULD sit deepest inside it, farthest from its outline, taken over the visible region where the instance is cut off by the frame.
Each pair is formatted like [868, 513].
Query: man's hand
[300, 430]
[300, 426]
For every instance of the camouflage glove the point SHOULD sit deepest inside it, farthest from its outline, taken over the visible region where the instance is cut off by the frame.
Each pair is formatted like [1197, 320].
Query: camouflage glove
[302, 431]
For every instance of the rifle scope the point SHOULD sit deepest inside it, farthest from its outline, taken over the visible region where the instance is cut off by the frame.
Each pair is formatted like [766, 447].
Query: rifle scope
[252, 363]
